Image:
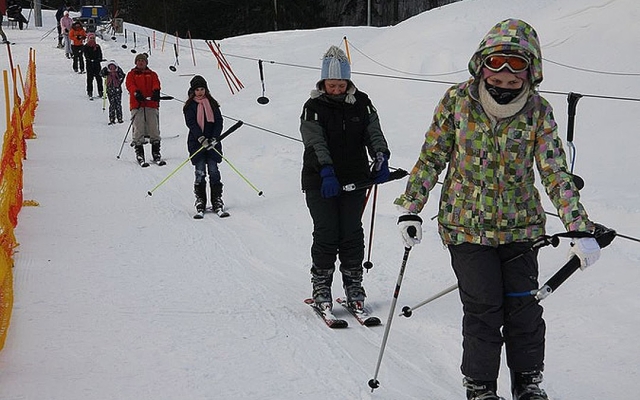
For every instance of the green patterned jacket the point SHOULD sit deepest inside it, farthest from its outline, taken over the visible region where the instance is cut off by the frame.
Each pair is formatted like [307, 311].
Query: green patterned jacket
[489, 196]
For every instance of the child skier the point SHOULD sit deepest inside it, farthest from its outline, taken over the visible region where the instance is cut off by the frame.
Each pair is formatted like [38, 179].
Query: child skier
[203, 118]
[114, 77]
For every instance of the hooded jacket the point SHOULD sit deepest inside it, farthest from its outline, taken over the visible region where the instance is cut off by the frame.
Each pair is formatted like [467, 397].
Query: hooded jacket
[489, 195]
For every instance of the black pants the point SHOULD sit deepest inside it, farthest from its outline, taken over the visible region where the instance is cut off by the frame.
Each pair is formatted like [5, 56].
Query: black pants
[93, 73]
[487, 284]
[78, 59]
[337, 230]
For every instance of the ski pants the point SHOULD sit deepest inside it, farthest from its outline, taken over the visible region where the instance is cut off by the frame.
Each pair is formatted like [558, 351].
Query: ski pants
[78, 59]
[93, 73]
[337, 231]
[114, 94]
[489, 279]
[146, 122]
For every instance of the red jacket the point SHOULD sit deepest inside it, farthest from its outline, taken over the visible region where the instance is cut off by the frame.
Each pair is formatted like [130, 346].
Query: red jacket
[146, 81]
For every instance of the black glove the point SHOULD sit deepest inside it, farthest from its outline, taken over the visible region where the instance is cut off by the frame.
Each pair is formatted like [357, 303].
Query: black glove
[156, 95]
[208, 144]
[138, 96]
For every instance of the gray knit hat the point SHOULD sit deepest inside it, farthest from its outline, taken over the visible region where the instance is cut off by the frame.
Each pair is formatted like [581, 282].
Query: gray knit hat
[335, 65]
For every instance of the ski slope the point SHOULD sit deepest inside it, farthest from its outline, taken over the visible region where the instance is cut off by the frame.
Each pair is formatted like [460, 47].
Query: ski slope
[122, 295]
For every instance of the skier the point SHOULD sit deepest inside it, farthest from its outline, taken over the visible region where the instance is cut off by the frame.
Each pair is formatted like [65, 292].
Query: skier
[339, 125]
[143, 85]
[93, 56]
[3, 10]
[65, 23]
[114, 77]
[59, 14]
[203, 118]
[491, 130]
[77, 34]
[14, 10]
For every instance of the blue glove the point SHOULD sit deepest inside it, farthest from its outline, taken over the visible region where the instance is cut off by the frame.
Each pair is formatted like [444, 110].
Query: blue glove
[330, 185]
[380, 172]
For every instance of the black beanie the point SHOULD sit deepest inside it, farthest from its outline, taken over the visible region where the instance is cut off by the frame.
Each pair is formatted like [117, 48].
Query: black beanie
[198, 82]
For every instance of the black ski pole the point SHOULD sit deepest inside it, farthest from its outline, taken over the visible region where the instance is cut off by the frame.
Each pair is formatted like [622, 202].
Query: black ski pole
[374, 383]
[368, 264]
[125, 138]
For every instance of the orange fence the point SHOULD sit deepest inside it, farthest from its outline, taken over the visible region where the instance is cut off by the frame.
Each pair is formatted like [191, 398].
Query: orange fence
[20, 118]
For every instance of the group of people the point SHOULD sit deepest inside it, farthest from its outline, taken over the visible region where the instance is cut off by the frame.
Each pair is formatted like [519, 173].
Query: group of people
[489, 133]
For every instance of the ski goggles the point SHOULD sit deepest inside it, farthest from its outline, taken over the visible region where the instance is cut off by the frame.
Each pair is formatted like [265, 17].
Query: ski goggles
[514, 62]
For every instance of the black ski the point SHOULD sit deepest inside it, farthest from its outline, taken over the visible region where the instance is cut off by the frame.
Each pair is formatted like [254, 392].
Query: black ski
[362, 316]
[221, 213]
[142, 162]
[327, 316]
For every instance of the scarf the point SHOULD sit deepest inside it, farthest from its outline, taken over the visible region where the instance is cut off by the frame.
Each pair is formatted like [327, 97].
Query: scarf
[204, 110]
[500, 111]
[112, 78]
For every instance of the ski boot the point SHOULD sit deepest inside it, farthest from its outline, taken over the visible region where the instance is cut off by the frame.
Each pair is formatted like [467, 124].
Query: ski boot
[155, 152]
[139, 149]
[217, 205]
[200, 190]
[525, 386]
[321, 280]
[481, 390]
[352, 284]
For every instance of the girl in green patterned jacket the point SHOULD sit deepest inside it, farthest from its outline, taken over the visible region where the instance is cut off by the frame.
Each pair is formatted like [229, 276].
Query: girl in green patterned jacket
[491, 131]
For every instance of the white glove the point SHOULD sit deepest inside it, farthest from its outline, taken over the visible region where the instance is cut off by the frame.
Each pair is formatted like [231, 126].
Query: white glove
[410, 226]
[587, 250]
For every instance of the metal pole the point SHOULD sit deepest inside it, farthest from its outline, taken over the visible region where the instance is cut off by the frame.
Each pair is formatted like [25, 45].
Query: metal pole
[369, 13]
[275, 15]
[37, 13]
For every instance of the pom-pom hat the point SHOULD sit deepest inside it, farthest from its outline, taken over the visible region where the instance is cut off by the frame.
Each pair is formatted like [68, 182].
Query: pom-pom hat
[335, 65]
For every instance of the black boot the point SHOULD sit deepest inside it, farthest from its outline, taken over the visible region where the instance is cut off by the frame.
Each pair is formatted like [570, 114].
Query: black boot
[200, 190]
[155, 151]
[525, 386]
[321, 279]
[481, 390]
[139, 149]
[216, 197]
[352, 284]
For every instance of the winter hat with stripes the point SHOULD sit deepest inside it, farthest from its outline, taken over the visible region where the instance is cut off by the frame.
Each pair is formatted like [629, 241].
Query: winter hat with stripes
[335, 65]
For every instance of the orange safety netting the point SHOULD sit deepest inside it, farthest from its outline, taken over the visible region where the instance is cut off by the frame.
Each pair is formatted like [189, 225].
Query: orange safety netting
[19, 128]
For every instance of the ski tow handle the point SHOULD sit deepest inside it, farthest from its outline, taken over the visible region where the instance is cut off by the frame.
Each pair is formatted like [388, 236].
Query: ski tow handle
[395, 175]
[226, 133]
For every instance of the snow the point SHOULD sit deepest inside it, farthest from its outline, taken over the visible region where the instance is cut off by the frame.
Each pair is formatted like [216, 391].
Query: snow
[121, 295]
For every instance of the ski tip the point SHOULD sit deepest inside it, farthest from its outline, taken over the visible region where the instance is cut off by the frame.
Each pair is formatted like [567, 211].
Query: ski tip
[338, 324]
[372, 321]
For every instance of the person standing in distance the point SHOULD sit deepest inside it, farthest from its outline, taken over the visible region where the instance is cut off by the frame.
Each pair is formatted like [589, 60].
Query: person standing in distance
[340, 130]
[143, 85]
[492, 131]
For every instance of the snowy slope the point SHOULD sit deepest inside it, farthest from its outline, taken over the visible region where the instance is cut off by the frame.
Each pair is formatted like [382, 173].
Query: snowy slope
[121, 295]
